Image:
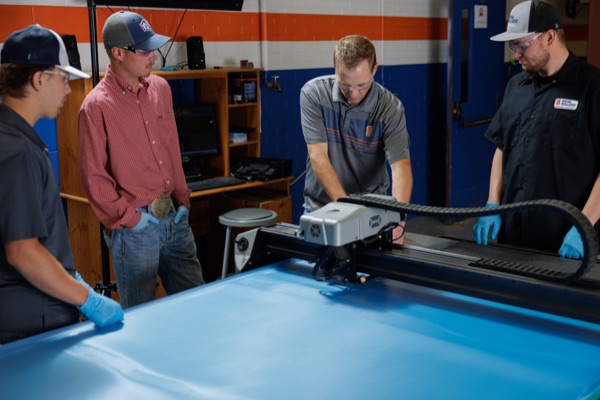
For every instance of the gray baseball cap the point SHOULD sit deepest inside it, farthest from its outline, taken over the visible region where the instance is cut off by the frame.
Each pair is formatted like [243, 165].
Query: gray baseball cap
[128, 29]
[527, 18]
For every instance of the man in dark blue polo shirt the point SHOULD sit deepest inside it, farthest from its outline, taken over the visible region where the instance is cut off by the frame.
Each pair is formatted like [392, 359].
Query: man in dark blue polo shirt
[547, 133]
[39, 288]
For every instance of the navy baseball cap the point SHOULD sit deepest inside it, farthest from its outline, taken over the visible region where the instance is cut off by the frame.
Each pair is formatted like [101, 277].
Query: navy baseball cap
[527, 18]
[35, 45]
[128, 29]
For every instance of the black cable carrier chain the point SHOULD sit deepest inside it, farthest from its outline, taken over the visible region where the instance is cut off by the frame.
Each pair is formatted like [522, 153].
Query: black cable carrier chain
[564, 209]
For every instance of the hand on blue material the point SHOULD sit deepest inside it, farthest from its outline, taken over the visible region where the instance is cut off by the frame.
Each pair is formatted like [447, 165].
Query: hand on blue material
[481, 230]
[572, 246]
[146, 218]
[181, 212]
[101, 310]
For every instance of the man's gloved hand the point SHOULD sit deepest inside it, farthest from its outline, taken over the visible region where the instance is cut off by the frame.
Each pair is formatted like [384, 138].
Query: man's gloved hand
[181, 212]
[80, 280]
[101, 310]
[572, 246]
[146, 218]
[481, 229]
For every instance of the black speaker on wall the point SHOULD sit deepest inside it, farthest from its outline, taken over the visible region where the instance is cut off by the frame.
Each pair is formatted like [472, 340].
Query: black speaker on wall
[71, 45]
[195, 53]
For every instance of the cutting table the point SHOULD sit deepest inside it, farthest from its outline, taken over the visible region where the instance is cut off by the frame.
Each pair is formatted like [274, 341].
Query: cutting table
[274, 331]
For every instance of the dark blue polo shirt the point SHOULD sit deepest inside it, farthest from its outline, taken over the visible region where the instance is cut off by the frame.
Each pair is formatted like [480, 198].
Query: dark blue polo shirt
[30, 207]
[549, 131]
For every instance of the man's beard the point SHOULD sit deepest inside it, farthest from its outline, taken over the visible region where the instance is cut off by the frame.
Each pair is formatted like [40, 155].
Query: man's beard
[540, 64]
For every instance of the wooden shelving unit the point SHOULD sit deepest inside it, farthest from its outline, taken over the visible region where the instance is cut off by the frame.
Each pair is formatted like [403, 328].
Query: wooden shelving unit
[214, 87]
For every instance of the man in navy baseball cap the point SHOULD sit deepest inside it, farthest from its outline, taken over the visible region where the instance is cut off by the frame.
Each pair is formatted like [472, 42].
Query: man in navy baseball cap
[129, 151]
[131, 31]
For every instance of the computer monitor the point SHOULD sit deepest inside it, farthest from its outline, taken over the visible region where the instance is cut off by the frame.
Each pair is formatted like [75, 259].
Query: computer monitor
[197, 129]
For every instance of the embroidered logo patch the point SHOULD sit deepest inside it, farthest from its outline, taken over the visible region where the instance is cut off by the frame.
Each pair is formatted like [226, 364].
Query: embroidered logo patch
[369, 131]
[566, 104]
[145, 26]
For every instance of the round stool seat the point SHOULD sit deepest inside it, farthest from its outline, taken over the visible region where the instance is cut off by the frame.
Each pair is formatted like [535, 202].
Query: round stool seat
[248, 217]
[243, 218]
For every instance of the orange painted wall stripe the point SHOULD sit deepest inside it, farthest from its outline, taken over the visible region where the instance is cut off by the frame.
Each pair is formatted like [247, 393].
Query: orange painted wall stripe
[311, 27]
[211, 25]
[220, 26]
[413, 28]
[59, 19]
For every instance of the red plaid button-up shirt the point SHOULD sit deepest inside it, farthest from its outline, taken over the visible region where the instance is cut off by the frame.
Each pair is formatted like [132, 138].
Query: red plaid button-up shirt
[129, 149]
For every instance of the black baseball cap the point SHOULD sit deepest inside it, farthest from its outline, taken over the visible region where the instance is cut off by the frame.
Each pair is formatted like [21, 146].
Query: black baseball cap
[35, 45]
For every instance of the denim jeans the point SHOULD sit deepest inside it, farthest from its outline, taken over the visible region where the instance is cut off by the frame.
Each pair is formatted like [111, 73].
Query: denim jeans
[165, 249]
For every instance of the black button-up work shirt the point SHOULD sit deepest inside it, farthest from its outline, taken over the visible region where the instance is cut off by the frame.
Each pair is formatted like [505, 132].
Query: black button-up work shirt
[549, 131]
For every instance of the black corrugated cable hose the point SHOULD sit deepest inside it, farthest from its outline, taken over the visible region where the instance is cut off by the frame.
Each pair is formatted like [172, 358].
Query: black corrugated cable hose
[563, 209]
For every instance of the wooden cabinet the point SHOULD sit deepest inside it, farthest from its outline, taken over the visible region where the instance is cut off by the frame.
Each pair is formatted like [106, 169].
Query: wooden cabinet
[236, 96]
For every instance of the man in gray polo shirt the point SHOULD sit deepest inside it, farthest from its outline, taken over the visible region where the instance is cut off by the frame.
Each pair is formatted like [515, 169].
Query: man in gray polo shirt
[351, 126]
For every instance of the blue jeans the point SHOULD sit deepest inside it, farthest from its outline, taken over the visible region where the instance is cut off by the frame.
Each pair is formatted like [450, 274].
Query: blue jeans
[164, 249]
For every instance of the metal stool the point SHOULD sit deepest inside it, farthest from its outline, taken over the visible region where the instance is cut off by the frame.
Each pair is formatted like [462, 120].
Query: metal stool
[243, 218]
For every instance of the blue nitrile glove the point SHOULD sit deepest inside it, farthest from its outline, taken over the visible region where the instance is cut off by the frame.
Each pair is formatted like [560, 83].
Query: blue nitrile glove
[101, 310]
[481, 229]
[182, 211]
[146, 218]
[80, 280]
[572, 246]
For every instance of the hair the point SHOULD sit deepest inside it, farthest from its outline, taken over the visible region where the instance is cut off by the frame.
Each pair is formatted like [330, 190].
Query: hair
[562, 38]
[351, 50]
[14, 78]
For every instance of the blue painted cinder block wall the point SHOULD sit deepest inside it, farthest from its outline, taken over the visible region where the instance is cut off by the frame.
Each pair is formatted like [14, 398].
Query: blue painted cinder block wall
[46, 129]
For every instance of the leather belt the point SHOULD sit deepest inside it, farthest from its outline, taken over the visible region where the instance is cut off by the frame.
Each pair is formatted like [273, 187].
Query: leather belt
[161, 206]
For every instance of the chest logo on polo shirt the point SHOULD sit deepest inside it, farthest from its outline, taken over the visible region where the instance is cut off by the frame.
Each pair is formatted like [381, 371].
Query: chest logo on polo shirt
[369, 131]
[566, 104]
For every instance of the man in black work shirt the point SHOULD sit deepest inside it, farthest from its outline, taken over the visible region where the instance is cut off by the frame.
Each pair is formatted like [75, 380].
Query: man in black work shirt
[547, 133]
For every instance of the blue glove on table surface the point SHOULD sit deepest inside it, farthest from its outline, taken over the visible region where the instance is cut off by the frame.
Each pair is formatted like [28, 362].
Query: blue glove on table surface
[181, 212]
[101, 310]
[481, 229]
[146, 218]
[572, 245]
